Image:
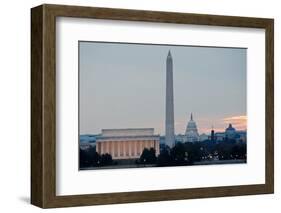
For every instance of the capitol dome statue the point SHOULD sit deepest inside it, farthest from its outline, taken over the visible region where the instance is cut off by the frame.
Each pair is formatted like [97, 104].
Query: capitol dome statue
[191, 131]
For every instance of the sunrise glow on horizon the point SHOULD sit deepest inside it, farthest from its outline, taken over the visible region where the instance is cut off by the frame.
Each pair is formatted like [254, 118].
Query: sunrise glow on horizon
[129, 92]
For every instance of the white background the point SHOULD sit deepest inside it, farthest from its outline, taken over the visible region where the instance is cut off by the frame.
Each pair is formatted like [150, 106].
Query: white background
[70, 181]
[15, 105]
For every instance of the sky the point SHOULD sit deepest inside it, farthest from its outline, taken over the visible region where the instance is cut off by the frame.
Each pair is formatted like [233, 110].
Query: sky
[122, 85]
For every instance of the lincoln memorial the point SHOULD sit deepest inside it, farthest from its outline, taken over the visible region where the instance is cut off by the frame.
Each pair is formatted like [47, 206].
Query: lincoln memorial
[127, 143]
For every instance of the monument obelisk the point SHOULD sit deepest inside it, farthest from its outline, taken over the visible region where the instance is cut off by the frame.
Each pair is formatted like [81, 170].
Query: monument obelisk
[169, 128]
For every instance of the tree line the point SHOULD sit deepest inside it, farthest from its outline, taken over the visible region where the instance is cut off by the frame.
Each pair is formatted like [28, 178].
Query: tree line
[188, 153]
[90, 158]
[181, 154]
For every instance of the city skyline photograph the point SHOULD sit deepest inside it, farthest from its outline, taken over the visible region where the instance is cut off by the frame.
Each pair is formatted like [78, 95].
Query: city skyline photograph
[161, 105]
[202, 75]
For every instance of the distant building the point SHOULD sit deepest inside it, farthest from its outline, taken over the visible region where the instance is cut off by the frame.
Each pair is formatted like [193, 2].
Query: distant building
[86, 145]
[230, 132]
[191, 132]
[213, 138]
[180, 138]
[87, 141]
[242, 136]
[87, 138]
[220, 136]
[127, 143]
[203, 137]
[162, 139]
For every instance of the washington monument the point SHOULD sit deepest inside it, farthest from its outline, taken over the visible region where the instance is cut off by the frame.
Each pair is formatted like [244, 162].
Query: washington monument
[169, 128]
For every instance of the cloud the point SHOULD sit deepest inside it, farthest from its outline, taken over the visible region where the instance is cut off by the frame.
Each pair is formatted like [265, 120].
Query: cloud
[238, 122]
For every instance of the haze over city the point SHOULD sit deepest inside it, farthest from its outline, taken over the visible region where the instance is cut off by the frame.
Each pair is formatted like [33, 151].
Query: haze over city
[123, 86]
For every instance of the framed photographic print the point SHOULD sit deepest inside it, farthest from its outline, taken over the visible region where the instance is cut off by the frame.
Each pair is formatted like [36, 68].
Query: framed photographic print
[136, 106]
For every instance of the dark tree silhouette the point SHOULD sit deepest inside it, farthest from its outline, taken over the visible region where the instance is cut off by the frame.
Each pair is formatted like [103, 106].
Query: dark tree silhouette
[179, 154]
[90, 158]
[164, 159]
[106, 159]
[148, 156]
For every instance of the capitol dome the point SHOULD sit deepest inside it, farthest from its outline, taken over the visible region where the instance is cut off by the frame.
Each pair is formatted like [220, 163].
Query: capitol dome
[191, 131]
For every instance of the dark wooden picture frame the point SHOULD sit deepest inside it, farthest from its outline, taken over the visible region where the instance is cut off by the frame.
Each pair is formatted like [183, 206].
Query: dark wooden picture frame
[43, 105]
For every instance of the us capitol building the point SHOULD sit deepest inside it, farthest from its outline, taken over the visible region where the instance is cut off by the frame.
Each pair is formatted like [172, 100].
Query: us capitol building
[191, 132]
[192, 135]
